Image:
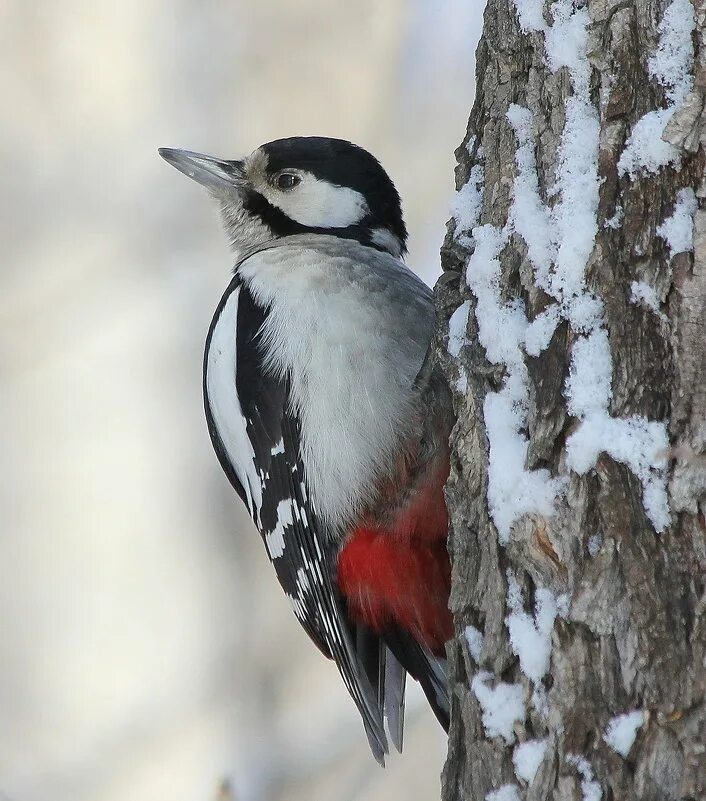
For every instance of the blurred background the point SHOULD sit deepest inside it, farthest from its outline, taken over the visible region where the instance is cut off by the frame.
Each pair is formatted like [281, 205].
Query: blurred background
[146, 651]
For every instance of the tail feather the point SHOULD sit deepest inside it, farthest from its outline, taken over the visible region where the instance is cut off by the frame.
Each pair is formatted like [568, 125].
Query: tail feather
[385, 662]
[371, 657]
[429, 670]
[374, 742]
[395, 679]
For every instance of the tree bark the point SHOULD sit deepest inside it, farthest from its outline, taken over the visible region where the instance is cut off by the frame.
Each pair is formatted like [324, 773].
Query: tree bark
[578, 533]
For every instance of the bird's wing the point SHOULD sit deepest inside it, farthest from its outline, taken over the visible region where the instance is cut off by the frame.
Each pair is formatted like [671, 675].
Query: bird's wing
[256, 438]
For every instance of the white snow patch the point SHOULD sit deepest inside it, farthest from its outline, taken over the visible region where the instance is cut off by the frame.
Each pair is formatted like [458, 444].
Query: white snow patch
[678, 230]
[461, 383]
[643, 294]
[527, 758]
[616, 220]
[565, 40]
[566, 43]
[673, 63]
[458, 323]
[634, 441]
[501, 706]
[590, 789]
[467, 204]
[529, 216]
[278, 448]
[672, 67]
[588, 385]
[508, 792]
[595, 543]
[578, 184]
[645, 149]
[563, 605]
[559, 241]
[513, 491]
[474, 638]
[585, 312]
[492, 313]
[621, 731]
[529, 13]
[541, 330]
[531, 636]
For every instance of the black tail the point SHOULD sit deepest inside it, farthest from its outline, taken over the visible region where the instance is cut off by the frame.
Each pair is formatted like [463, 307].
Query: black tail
[427, 669]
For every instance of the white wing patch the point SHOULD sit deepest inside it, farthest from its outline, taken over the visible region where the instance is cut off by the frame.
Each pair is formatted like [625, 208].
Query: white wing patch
[298, 607]
[298, 601]
[221, 370]
[275, 539]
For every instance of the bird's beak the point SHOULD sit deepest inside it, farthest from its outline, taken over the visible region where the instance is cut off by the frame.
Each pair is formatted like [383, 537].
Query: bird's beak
[214, 174]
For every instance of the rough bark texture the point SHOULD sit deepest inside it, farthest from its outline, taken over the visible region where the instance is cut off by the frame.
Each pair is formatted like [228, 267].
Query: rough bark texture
[634, 636]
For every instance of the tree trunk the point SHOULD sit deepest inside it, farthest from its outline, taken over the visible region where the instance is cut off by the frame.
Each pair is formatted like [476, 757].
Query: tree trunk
[576, 275]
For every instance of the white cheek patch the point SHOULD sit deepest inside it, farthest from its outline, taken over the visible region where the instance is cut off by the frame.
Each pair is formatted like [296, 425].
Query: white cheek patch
[319, 204]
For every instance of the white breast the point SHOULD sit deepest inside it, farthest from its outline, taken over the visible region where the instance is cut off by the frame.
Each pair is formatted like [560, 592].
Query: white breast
[351, 327]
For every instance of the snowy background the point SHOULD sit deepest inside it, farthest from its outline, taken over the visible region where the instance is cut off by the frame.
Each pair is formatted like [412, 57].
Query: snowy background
[147, 652]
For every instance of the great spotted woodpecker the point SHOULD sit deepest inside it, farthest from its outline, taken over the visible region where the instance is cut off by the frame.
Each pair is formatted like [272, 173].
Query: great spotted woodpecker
[326, 416]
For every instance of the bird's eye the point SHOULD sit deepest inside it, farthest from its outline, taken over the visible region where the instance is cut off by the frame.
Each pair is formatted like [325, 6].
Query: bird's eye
[287, 180]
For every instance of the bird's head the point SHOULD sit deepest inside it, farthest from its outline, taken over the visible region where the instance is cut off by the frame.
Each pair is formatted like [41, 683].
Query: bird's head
[304, 184]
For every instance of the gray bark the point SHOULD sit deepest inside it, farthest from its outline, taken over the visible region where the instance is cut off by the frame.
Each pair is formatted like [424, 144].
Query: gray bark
[634, 634]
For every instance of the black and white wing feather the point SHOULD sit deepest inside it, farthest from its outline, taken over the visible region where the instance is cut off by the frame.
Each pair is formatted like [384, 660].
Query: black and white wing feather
[256, 438]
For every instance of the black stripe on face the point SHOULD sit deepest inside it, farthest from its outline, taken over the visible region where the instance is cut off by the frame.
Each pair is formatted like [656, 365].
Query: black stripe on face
[278, 222]
[281, 225]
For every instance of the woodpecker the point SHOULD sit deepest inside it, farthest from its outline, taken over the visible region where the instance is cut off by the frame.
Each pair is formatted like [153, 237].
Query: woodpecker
[327, 415]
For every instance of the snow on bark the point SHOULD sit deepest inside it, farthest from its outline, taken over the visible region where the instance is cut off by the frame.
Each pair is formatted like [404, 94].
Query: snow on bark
[466, 205]
[530, 14]
[641, 292]
[508, 792]
[513, 491]
[672, 67]
[621, 731]
[559, 244]
[530, 635]
[503, 705]
[678, 229]
[590, 789]
[640, 444]
[474, 638]
[457, 329]
[527, 757]
[575, 586]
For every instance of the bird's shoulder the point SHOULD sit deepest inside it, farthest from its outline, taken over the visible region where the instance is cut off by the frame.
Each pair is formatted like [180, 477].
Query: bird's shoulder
[343, 261]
